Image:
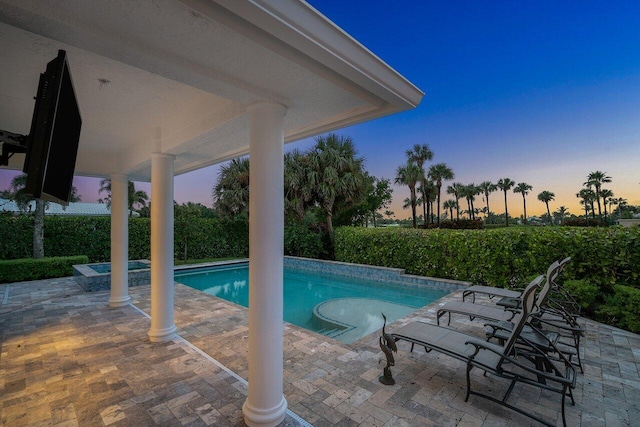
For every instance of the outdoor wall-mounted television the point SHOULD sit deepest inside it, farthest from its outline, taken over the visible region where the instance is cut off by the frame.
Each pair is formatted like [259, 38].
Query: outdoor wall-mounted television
[52, 143]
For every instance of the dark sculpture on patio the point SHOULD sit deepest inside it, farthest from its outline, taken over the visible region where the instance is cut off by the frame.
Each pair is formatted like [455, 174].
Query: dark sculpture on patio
[388, 346]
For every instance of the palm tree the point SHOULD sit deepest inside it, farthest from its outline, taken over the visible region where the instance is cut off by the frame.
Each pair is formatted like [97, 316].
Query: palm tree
[455, 189]
[418, 155]
[469, 192]
[297, 191]
[409, 175]
[135, 198]
[612, 202]
[18, 194]
[231, 192]
[595, 180]
[587, 195]
[428, 191]
[335, 172]
[546, 197]
[523, 188]
[440, 172]
[606, 195]
[487, 187]
[560, 213]
[450, 204]
[505, 185]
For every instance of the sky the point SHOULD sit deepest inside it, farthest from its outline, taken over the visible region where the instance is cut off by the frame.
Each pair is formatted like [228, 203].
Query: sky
[539, 92]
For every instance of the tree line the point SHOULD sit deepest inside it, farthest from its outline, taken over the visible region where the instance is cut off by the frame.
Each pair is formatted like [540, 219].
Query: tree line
[425, 189]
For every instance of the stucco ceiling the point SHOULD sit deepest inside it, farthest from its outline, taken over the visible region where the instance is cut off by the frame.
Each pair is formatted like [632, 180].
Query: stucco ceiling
[177, 76]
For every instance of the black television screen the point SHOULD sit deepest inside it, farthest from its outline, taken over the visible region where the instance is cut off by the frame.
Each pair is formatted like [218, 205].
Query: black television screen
[52, 143]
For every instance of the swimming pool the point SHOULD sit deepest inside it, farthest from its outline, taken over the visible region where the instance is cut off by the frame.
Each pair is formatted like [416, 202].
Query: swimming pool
[344, 308]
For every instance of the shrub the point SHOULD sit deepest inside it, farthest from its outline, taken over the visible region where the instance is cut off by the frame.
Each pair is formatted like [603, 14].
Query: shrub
[462, 224]
[500, 257]
[585, 293]
[622, 308]
[20, 270]
[300, 240]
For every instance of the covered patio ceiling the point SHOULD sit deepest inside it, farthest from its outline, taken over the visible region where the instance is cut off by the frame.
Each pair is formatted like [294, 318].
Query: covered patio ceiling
[177, 76]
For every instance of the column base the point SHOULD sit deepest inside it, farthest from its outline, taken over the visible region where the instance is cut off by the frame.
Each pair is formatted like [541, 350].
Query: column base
[270, 417]
[119, 301]
[162, 335]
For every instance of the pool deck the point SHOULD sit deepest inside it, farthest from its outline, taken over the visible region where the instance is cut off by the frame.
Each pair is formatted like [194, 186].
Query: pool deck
[67, 359]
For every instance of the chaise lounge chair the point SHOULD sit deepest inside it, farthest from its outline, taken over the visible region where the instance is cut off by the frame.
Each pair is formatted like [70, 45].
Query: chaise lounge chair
[494, 292]
[492, 313]
[501, 361]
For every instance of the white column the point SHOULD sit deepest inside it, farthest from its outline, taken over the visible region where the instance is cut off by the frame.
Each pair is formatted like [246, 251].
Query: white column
[265, 404]
[162, 326]
[119, 241]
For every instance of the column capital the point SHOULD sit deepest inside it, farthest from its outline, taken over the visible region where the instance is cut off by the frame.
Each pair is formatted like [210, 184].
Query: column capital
[163, 155]
[118, 177]
[267, 104]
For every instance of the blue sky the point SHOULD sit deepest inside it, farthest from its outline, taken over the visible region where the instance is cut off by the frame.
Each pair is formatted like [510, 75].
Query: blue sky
[540, 92]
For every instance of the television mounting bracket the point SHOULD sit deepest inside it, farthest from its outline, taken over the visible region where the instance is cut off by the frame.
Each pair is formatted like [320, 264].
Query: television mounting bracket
[12, 143]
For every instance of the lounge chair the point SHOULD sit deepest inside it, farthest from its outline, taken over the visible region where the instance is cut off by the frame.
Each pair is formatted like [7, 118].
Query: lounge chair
[493, 292]
[514, 302]
[551, 320]
[492, 313]
[495, 359]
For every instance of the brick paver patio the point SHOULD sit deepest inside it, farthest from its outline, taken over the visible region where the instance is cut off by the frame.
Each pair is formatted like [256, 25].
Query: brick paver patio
[67, 359]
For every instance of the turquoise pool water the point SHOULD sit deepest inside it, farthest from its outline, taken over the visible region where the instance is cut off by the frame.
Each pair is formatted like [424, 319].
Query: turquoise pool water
[106, 267]
[304, 290]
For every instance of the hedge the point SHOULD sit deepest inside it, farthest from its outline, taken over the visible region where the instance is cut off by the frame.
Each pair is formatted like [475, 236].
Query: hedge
[194, 238]
[20, 270]
[500, 257]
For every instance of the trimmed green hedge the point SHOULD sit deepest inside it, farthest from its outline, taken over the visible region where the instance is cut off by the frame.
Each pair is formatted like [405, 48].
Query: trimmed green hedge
[500, 257]
[20, 270]
[65, 236]
[195, 238]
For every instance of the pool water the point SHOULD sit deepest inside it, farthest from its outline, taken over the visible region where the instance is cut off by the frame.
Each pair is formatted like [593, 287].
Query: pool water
[106, 267]
[305, 290]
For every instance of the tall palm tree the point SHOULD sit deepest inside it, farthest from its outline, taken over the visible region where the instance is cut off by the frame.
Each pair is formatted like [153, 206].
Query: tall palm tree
[606, 195]
[23, 199]
[298, 192]
[613, 201]
[450, 205]
[595, 180]
[428, 191]
[523, 188]
[487, 187]
[545, 197]
[455, 189]
[469, 192]
[17, 193]
[419, 154]
[335, 172]
[440, 172]
[587, 195]
[505, 185]
[410, 174]
[231, 192]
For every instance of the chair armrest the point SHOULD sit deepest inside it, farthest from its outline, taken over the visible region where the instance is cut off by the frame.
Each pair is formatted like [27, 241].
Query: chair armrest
[557, 376]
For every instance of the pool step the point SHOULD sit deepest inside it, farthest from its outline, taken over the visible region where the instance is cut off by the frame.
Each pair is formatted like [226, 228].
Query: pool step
[331, 333]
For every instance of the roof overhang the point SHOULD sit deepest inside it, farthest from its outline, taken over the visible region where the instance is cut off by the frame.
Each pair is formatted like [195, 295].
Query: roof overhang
[181, 75]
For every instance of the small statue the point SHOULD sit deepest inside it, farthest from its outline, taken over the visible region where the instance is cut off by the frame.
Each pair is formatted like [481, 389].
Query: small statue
[388, 346]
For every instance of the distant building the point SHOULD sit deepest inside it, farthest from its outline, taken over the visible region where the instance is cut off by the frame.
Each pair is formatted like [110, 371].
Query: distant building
[74, 209]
